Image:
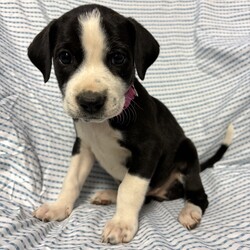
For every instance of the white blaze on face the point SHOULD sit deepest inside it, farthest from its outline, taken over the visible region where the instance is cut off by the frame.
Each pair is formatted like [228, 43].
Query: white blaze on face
[93, 40]
[93, 75]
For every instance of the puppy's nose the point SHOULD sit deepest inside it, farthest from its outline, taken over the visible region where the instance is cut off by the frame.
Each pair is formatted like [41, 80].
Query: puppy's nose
[91, 102]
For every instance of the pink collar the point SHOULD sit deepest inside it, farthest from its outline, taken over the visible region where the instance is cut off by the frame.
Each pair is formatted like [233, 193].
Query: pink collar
[130, 96]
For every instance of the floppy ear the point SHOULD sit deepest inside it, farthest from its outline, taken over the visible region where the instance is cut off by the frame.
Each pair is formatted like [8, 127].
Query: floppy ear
[41, 49]
[146, 48]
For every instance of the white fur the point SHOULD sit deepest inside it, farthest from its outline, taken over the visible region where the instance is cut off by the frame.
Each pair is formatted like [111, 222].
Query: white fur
[229, 135]
[124, 225]
[93, 75]
[103, 142]
[78, 172]
[190, 215]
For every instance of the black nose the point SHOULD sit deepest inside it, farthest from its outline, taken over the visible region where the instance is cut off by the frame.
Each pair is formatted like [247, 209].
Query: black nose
[91, 102]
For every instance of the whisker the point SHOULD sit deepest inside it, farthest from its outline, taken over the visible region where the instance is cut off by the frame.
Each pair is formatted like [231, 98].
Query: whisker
[128, 115]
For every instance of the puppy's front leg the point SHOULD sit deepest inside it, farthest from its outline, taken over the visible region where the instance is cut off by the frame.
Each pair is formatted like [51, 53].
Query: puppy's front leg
[81, 163]
[124, 225]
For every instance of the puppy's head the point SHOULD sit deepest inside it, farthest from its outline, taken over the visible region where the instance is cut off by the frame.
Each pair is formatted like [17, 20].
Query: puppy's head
[95, 52]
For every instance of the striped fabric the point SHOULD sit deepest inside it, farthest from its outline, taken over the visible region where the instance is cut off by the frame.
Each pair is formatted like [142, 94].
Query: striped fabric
[202, 75]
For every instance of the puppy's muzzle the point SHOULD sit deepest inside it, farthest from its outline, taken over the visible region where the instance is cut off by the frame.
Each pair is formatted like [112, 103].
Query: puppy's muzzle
[91, 102]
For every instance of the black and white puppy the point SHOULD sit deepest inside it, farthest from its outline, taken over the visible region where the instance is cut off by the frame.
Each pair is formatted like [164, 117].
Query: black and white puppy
[131, 134]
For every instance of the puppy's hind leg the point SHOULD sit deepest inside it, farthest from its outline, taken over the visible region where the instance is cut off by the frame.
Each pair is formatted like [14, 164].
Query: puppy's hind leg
[81, 163]
[105, 197]
[196, 198]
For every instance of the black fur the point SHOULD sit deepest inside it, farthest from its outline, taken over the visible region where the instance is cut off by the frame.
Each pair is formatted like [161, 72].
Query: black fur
[216, 157]
[41, 49]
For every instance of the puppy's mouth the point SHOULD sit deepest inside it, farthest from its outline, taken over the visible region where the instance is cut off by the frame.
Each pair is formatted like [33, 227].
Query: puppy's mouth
[97, 117]
[92, 119]
[101, 118]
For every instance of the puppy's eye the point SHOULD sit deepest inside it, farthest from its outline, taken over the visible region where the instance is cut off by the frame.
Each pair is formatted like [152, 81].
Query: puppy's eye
[118, 58]
[65, 57]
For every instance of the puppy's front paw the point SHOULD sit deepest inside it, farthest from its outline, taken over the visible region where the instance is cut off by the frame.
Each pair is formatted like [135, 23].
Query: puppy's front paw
[56, 211]
[190, 216]
[119, 231]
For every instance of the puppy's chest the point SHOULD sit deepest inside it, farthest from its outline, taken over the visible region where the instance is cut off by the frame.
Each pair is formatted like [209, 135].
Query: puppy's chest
[104, 143]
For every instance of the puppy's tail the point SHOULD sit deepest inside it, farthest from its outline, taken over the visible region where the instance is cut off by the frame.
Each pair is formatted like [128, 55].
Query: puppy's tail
[221, 151]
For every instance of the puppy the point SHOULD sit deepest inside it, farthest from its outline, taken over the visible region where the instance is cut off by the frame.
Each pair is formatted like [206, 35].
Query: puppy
[134, 137]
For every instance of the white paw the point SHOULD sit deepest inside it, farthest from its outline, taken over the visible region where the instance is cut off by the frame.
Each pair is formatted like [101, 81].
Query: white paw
[190, 216]
[119, 231]
[105, 197]
[56, 211]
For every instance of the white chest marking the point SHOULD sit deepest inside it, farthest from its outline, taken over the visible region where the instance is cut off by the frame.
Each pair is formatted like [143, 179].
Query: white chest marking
[103, 142]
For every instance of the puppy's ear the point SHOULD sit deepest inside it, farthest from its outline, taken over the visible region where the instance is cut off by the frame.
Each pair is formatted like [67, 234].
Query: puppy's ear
[146, 48]
[41, 49]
